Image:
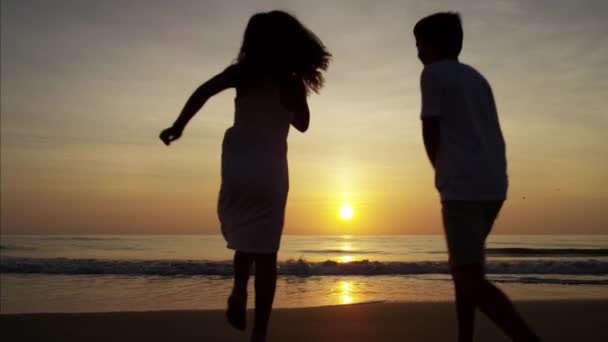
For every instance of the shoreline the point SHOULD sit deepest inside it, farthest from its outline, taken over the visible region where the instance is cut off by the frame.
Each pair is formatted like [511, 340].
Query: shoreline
[562, 320]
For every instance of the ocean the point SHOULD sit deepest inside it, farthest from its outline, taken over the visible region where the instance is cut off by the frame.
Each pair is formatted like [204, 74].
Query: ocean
[91, 273]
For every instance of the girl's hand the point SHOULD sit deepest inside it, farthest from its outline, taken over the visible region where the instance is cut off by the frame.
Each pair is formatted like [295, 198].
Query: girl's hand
[170, 134]
[293, 98]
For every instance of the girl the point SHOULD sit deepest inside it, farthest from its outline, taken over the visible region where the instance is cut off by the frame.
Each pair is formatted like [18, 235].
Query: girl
[279, 63]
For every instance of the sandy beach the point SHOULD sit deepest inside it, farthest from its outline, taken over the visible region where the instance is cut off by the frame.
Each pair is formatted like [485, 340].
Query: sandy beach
[554, 320]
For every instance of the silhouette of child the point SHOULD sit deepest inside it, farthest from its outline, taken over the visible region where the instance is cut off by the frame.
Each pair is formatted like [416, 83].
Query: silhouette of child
[465, 145]
[279, 63]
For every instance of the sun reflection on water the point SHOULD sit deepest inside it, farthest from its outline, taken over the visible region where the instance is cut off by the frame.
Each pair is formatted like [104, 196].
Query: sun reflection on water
[346, 299]
[346, 286]
[345, 292]
[346, 248]
[346, 258]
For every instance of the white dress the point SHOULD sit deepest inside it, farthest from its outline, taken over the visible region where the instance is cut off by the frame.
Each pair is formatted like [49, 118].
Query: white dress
[255, 182]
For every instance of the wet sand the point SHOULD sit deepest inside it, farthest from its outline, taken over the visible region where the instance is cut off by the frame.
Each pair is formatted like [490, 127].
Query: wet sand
[554, 320]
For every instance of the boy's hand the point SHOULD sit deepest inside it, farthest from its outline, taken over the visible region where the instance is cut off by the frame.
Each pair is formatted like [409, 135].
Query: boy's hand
[170, 134]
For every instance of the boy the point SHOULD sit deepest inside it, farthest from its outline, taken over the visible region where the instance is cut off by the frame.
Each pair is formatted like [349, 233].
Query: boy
[464, 143]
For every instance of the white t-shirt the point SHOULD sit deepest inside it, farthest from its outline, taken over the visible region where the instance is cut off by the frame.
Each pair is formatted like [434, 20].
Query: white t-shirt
[470, 164]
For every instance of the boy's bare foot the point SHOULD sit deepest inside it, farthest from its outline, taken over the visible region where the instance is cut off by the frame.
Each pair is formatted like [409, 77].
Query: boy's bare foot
[258, 336]
[237, 311]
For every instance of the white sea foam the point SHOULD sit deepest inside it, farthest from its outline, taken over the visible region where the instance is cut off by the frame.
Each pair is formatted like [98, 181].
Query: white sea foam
[300, 267]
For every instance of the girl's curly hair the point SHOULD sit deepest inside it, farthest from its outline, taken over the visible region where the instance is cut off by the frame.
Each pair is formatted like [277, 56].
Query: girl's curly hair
[277, 42]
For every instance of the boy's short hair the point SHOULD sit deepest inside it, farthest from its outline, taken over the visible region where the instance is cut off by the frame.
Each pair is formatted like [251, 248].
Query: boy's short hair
[441, 31]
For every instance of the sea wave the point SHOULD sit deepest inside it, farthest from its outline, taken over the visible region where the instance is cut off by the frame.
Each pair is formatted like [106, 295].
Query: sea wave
[555, 281]
[299, 267]
[11, 247]
[339, 251]
[549, 252]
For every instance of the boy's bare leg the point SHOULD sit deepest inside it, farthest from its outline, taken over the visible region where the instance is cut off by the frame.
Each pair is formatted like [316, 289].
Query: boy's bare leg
[465, 309]
[475, 289]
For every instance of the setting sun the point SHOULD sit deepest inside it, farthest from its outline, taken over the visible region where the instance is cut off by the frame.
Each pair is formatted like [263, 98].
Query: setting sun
[346, 212]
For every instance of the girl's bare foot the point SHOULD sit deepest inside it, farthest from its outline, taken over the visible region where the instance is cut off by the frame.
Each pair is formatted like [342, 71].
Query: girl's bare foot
[237, 311]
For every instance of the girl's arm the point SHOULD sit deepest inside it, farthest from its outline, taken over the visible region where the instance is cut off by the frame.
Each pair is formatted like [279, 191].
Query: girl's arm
[224, 80]
[293, 98]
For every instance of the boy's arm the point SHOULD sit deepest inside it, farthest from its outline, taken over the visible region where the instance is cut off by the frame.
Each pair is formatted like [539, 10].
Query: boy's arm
[430, 135]
[220, 82]
[430, 113]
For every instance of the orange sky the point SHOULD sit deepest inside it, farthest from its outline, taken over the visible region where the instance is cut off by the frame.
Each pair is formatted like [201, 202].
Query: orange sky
[86, 88]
